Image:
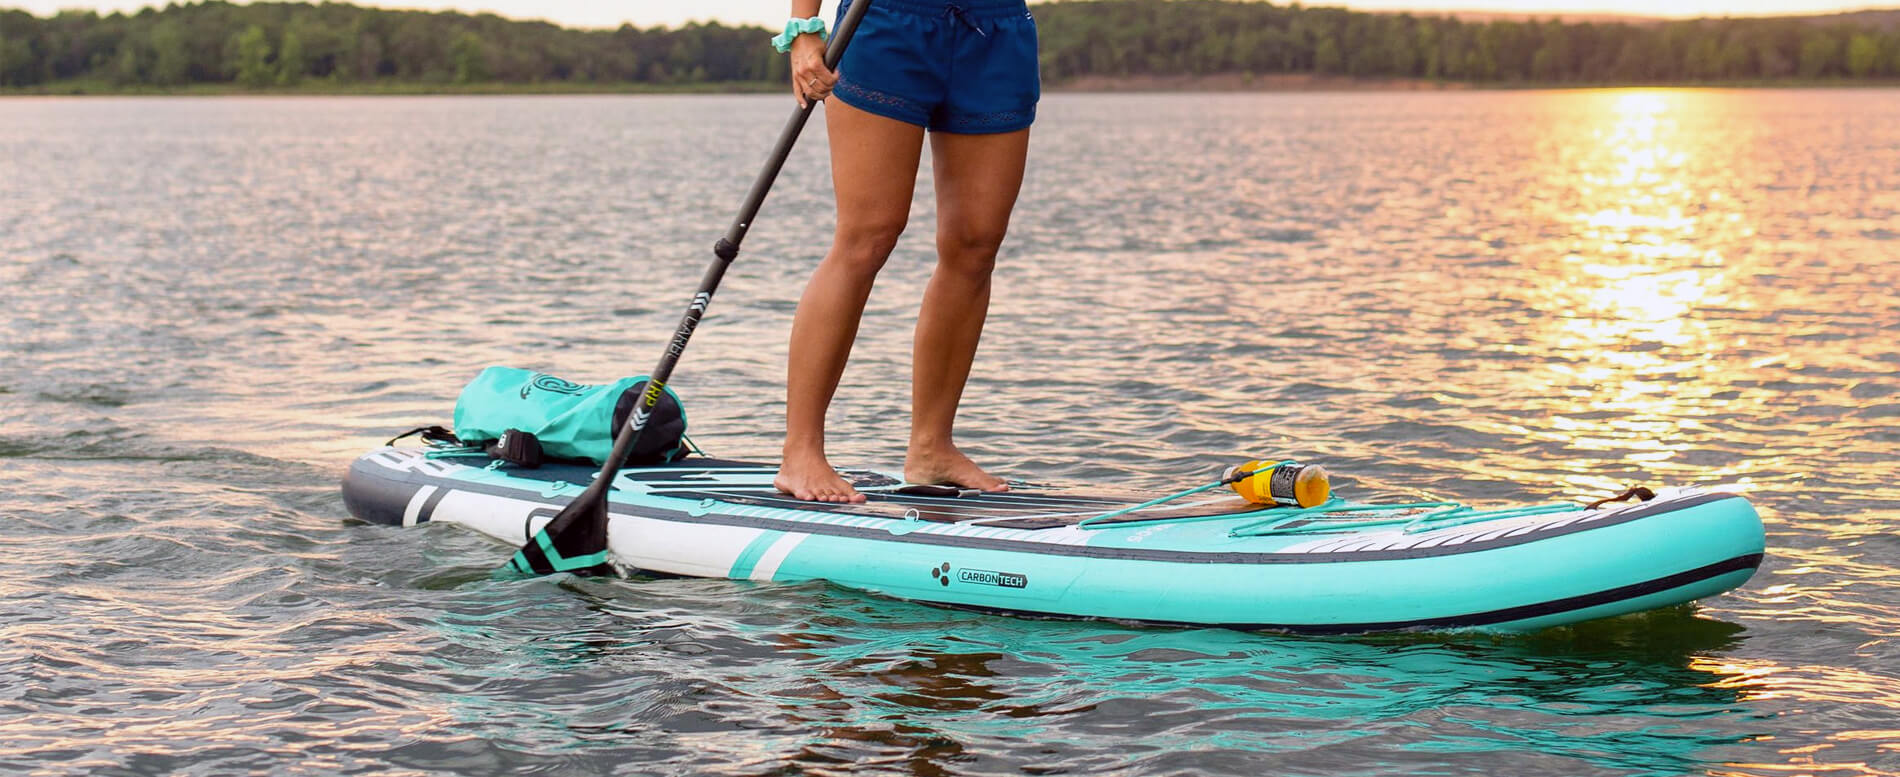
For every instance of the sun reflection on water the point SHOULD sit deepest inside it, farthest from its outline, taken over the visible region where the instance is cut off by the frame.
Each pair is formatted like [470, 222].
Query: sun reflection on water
[1622, 308]
[1758, 681]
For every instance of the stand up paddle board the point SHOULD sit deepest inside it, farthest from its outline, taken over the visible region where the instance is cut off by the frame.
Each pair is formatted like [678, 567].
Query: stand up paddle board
[1211, 560]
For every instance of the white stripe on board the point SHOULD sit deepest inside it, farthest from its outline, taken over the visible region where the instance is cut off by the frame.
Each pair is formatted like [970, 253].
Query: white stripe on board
[699, 550]
[414, 509]
[775, 555]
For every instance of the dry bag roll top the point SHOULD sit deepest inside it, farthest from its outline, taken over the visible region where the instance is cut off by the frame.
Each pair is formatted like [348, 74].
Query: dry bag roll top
[568, 420]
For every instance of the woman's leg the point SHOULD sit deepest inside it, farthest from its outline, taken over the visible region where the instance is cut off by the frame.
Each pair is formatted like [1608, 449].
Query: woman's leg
[977, 180]
[873, 169]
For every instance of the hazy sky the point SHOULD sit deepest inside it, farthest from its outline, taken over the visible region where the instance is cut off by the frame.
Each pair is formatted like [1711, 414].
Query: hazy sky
[646, 13]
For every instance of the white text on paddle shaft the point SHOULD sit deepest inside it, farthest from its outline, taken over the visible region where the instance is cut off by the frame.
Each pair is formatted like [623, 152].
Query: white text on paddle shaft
[689, 323]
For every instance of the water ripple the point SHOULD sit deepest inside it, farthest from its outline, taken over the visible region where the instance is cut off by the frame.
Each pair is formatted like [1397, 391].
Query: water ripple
[215, 304]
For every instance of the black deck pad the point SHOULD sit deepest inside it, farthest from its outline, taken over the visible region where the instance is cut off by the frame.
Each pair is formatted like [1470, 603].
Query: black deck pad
[1007, 510]
[1023, 507]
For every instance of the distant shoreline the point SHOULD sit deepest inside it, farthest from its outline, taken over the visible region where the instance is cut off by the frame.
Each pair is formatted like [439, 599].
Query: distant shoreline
[337, 48]
[1220, 82]
[1308, 82]
[321, 88]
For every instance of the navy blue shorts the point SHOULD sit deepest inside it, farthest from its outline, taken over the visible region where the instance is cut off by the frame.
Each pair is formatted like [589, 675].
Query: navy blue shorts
[962, 66]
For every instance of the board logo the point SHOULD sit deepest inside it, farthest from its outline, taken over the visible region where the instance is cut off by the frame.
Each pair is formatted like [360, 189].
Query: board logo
[941, 573]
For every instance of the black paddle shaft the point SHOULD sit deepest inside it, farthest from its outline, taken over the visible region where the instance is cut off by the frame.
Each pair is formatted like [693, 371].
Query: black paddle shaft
[576, 539]
[724, 252]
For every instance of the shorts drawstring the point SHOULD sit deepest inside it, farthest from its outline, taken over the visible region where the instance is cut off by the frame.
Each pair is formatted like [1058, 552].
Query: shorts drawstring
[954, 10]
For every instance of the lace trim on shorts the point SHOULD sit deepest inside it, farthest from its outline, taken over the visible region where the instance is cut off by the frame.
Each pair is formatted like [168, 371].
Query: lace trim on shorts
[1008, 121]
[904, 105]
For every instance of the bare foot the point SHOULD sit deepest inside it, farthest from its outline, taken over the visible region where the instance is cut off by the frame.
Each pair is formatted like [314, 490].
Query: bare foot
[946, 465]
[812, 479]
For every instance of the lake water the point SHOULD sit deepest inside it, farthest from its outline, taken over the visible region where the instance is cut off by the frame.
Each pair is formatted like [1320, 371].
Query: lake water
[212, 306]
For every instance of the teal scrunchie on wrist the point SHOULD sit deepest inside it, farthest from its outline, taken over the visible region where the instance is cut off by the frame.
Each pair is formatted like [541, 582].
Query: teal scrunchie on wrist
[795, 28]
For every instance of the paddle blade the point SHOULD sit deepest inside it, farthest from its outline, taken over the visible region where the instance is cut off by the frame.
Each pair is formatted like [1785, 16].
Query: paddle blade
[575, 541]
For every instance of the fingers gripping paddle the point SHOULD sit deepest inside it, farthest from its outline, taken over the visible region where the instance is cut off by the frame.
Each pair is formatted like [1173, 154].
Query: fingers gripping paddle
[576, 540]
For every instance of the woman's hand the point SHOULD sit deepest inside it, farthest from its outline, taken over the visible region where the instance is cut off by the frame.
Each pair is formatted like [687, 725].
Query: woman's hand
[811, 80]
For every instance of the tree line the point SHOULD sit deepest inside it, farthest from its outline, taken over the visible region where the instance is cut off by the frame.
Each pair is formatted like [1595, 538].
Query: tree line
[285, 44]
[1195, 37]
[266, 45]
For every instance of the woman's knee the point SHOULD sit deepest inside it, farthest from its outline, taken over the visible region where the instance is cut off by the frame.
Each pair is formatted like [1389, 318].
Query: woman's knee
[970, 248]
[863, 245]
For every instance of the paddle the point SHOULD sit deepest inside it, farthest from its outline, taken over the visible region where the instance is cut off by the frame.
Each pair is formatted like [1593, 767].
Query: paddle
[576, 540]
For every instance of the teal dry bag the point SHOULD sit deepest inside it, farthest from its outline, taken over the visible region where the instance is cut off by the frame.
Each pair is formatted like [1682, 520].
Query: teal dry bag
[569, 420]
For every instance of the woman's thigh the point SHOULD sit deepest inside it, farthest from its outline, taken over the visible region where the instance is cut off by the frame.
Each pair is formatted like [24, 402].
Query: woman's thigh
[977, 180]
[873, 169]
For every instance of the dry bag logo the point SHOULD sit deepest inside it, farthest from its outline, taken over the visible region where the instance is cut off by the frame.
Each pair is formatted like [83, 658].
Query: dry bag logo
[942, 574]
[554, 384]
